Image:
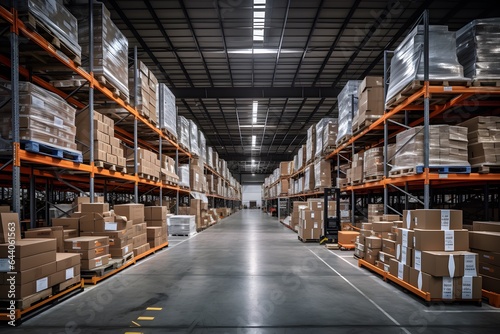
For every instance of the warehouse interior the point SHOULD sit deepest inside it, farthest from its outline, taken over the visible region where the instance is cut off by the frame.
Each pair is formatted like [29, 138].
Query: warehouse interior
[249, 166]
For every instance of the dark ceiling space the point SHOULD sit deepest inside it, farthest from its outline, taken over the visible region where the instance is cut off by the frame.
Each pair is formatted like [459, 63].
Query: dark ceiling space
[207, 54]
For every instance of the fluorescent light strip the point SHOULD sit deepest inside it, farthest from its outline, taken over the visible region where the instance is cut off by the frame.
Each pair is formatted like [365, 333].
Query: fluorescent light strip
[259, 15]
[254, 140]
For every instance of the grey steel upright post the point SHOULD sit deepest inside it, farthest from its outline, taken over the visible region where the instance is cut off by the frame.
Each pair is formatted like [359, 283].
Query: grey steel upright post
[14, 72]
[426, 106]
[136, 171]
[386, 138]
[91, 97]
[353, 151]
[177, 173]
[33, 200]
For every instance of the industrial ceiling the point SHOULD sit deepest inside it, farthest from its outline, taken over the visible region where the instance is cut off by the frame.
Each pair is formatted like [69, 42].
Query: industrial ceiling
[256, 74]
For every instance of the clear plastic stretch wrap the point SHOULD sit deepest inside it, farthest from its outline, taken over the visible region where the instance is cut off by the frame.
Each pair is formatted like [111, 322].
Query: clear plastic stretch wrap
[210, 160]
[110, 45]
[183, 173]
[202, 146]
[407, 64]
[182, 225]
[44, 117]
[448, 147]
[193, 139]
[55, 17]
[310, 143]
[321, 127]
[322, 174]
[477, 49]
[346, 98]
[183, 131]
[330, 132]
[167, 111]
[373, 162]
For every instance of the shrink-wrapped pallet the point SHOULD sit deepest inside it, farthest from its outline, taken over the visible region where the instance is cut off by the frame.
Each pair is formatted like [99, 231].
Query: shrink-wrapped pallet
[348, 105]
[167, 111]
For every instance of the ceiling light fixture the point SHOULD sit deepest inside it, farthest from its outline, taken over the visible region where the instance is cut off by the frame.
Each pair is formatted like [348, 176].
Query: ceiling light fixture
[259, 16]
[254, 140]
[255, 107]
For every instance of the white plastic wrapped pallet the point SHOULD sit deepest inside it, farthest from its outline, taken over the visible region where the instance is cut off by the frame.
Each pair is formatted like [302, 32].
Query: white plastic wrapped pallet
[348, 104]
[193, 139]
[183, 131]
[183, 173]
[166, 110]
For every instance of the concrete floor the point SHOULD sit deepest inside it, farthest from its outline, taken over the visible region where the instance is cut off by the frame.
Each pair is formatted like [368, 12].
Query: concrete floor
[250, 274]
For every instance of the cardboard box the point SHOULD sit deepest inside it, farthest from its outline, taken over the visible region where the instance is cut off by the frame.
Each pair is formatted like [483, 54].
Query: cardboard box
[154, 232]
[486, 226]
[488, 257]
[405, 237]
[359, 253]
[385, 257]
[437, 240]
[389, 247]
[95, 207]
[85, 243]
[70, 234]
[404, 255]
[439, 264]
[370, 82]
[438, 287]
[156, 242]
[141, 249]
[32, 274]
[88, 254]
[94, 263]
[133, 212]
[139, 240]
[366, 233]
[373, 242]
[67, 274]
[67, 260]
[347, 237]
[28, 247]
[366, 226]
[155, 213]
[67, 223]
[371, 255]
[432, 219]
[399, 270]
[24, 290]
[9, 227]
[491, 284]
[490, 270]
[485, 241]
[4, 208]
[468, 287]
[140, 229]
[382, 226]
[54, 232]
[122, 251]
[408, 221]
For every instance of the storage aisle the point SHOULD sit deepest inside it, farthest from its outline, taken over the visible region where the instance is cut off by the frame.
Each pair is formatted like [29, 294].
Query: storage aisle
[249, 274]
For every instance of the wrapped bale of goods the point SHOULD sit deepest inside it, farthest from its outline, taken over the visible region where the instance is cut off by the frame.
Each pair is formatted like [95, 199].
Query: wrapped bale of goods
[322, 174]
[167, 110]
[407, 64]
[310, 143]
[55, 19]
[182, 225]
[330, 131]
[476, 49]
[483, 141]
[168, 174]
[373, 164]
[448, 148]
[183, 131]
[202, 146]
[183, 171]
[370, 102]
[194, 139]
[148, 164]
[210, 161]
[110, 48]
[44, 118]
[348, 104]
[146, 101]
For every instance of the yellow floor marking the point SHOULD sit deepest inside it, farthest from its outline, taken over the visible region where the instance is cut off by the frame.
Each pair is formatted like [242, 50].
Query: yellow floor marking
[134, 333]
[146, 318]
[135, 323]
[154, 309]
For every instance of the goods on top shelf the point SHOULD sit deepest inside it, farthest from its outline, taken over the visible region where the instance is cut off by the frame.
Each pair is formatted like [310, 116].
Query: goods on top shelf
[326, 133]
[370, 102]
[476, 49]
[373, 164]
[347, 102]
[311, 143]
[167, 111]
[448, 147]
[54, 17]
[407, 64]
[146, 101]
[110, 47]
[202, 146]
[44, 118]
[483, 140]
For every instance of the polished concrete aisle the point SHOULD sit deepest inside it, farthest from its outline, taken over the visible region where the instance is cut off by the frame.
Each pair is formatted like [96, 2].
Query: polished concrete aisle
[250, 274]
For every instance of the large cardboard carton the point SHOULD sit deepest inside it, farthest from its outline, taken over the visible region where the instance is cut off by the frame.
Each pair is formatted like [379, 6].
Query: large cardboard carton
[399, 270]
[67, 260]
[9, 227]
[440, 264]
[485, 241]
[155, 213]
[121, 251]
[433, 219]
[95, 262]
[95, 207]
[373, 242]
[437, 240]
[133, 212]
[347, 237]
[389, 246]
[67, 223]
[405, 237]
[371, 255]
[24, 290]
[488, 257]
[382, 226]
[28, 247]
[31, 274]
[88, 254]
[489, 270]
[85, 243]
[486, 226]
[491, 284]
[468, 287]
[404, 255]
[385, 257]
[54, 232]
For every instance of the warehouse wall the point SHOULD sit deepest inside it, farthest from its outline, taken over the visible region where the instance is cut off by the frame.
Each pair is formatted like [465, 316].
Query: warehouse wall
[251, 193]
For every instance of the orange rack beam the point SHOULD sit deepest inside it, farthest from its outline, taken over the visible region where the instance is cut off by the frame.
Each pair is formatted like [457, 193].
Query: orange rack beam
[493, 298]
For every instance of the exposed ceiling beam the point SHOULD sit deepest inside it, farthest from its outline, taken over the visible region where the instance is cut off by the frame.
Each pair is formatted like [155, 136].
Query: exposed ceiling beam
[262, 157]
[254, 92]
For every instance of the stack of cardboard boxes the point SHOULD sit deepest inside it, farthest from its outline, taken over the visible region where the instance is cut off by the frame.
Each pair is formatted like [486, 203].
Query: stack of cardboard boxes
[373, 164]
[432, 254]
[295, 219]
[107, 148]
[93, 250]
[285, 169]
[135, 215]
[197, 178]
[322, 174]
[371, 102]
[355, 173]
[148, 164]
[168, 173]
[146, 89]
[311, 144]
[483, 140]
[485, 241]
[311, 218]
[330, 131]
[156, 221]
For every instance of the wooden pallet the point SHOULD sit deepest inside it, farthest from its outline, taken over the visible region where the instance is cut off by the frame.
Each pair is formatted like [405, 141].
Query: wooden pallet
[432, 169]
[149, 177]
[116, 92]
[343, 246]
[66, 284]
[169, 135]
[111, 167]
[28, 301]
[52, 151]
[486, 83]
[403, 172]
[486, 168]
[307, 240]
[415, 85]
[329, 149]
[344, 140]
[357, 128]
[35, 24]
[120, 261]
[373, 178]
[356, 182]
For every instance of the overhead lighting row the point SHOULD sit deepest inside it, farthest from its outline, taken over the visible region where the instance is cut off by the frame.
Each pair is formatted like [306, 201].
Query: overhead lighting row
[259, 17]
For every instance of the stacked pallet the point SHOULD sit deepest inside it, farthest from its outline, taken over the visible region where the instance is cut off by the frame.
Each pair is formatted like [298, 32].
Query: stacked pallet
[146, 101]
[311, 144]
[322, 174]
[485, 240]
[167, 171]
[355, 173]
[167, 111]
[135, 214]
[93, 251]
[348, 105]
[148, 164]
[184, 225]
[373, 164]
[108, 151]
[156, 221]
[370, 103]
[330, 132]
[295, 218]
[483, 141]
[183, 132]
[432, 254]
[46, 121]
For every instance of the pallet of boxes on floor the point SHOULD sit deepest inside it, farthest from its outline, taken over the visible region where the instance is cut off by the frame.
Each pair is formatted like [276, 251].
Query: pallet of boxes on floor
[34, 269]
[427, 253]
